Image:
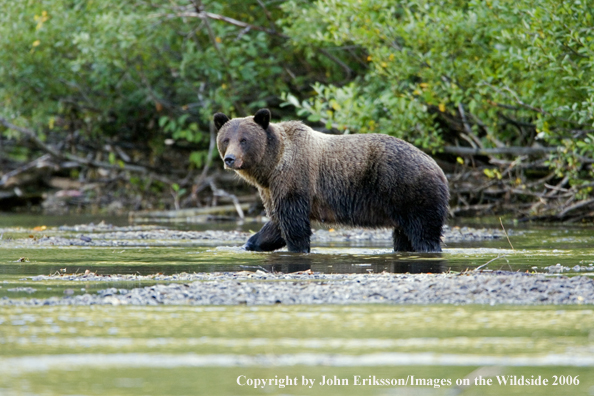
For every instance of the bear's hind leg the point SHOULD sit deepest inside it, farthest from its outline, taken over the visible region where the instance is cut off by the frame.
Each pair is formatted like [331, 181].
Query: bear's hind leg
[428, 246]
[424, 235]
[401, 241]
[267, 239]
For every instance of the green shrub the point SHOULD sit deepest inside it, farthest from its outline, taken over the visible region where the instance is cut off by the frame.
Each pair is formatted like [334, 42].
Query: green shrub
[102, 71]
[515, 72]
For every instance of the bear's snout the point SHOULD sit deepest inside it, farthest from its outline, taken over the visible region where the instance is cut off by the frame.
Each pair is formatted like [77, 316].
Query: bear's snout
[229, 160]
[233, 162]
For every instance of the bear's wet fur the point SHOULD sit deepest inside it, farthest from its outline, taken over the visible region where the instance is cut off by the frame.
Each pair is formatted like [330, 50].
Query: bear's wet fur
[367, 180]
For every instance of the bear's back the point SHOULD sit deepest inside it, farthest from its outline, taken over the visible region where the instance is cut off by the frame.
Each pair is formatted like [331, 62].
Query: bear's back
[354, 157]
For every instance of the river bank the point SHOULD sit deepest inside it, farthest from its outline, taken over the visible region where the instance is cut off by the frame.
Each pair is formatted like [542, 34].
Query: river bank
[154, 265]
[306, 287]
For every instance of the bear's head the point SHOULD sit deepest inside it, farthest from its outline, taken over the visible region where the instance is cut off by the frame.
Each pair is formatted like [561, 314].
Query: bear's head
[242, 142]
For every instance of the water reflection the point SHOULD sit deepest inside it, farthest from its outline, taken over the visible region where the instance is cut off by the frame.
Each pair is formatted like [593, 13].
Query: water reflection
[359, 263]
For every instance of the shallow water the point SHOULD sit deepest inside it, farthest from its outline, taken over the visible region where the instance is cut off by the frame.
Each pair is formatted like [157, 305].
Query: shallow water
[569, 251]
[189, 350]
[105, 350]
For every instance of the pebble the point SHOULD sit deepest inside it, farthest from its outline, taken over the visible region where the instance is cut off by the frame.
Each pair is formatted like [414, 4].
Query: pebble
[490, 288]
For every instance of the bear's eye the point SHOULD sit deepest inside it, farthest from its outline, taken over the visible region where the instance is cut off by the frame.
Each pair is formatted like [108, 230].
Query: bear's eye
[225, 141]
[243, 141]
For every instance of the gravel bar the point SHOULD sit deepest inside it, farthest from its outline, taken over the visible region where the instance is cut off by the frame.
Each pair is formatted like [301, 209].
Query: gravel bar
[260, 288]
[86, 235]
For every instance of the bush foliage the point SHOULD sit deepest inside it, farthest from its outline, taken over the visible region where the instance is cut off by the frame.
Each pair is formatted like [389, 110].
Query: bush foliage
[487, 74]
[128, 71]
[517, 72]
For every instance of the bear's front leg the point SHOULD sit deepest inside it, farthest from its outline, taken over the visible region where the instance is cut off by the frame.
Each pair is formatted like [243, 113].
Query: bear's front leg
[267, 239]
[292, 213]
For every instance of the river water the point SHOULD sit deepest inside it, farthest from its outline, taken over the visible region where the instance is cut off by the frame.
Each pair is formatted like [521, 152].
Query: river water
[226, 350]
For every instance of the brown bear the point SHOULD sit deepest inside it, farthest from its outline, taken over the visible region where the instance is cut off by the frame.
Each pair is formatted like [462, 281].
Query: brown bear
[367, 180]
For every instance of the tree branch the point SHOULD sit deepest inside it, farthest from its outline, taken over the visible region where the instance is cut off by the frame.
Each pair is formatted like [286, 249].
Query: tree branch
[334, 59]
[575, 206]
[268, 15]
[200, 13]
[83, 161]
[24, 168]
[32, 136]
[209, 15]
[204, 15]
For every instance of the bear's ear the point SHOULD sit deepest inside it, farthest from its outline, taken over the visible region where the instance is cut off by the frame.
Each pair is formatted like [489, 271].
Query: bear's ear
[262, 118]
[219, 120]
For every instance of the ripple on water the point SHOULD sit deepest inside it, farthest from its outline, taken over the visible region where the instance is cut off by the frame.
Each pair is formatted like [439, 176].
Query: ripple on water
[31, 364]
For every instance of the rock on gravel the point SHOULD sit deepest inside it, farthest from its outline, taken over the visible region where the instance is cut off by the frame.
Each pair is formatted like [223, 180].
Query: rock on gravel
[306, 288]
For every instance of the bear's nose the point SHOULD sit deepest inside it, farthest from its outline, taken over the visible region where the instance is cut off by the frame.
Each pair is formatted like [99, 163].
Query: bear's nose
[229, 159]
